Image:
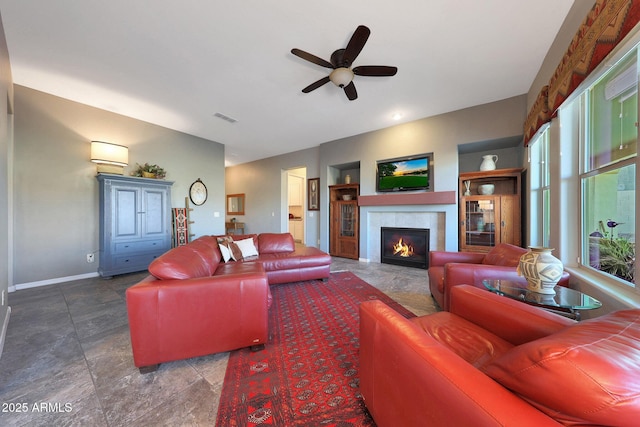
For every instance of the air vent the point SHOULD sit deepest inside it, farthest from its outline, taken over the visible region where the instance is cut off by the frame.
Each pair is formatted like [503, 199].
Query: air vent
[225, 117]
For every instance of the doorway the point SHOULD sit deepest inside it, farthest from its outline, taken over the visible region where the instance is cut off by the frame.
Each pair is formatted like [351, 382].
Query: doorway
[296, 203]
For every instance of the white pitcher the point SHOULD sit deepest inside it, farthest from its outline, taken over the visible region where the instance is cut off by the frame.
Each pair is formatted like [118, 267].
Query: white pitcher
[488, 162]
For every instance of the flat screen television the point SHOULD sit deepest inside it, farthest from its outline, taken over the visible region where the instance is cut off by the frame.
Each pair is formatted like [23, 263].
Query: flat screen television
[411, 173]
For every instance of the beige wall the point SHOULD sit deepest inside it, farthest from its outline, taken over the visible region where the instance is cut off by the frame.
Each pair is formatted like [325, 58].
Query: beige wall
[56, 192]
[6, 148]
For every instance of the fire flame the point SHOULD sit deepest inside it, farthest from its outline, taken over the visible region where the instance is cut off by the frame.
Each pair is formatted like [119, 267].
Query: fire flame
[402, 249]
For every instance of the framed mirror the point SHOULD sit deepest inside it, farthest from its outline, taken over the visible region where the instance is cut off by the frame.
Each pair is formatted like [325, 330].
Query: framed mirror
[235, 204]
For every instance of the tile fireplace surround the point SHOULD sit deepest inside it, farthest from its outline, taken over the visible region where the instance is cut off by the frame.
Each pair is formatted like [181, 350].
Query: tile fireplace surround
[434, 221]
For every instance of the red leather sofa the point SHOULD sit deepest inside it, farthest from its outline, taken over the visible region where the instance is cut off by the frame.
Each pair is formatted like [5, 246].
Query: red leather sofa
[492, 361]
[194, 304]
[449, 269]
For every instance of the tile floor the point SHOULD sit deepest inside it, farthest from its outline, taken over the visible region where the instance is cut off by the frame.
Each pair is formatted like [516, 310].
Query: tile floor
[67, 356]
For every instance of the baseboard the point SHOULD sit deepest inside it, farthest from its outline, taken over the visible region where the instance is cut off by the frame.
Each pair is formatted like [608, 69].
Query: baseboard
[363, 259]
[5, 325]
[54, 281]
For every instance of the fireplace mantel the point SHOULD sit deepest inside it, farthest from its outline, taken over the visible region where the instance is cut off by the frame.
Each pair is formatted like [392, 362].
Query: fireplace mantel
[394, 199]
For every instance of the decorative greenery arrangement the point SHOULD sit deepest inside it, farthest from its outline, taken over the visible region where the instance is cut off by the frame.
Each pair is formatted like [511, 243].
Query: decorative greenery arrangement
[618, 257]
[615, 255]
[147, 169]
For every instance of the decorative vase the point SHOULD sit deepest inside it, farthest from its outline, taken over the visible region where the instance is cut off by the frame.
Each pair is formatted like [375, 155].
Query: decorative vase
[486, 189]
[467, 185]
[488, 162]
[148, 174]
[541, 269]
[347, 179]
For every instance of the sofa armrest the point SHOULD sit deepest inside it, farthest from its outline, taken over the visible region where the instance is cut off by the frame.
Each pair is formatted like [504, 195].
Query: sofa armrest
[473, 274]
[511, 320]
[407, 378]
[174, 319]
[440, 258]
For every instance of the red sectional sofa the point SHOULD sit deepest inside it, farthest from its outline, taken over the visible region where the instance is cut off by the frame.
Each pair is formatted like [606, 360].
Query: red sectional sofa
[193, 303]
[449, 269]
[493, 361]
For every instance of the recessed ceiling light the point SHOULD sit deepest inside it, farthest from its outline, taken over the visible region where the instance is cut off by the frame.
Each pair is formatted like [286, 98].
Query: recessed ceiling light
[396, 116]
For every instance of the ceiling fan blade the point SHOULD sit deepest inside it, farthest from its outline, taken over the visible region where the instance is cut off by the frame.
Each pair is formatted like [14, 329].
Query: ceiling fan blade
[350, 91]
[355, 45]
[316, 85]
[375, 70]
[311, 58]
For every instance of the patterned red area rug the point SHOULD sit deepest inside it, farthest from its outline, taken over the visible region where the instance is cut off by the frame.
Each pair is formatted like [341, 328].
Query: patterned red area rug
[307, 375]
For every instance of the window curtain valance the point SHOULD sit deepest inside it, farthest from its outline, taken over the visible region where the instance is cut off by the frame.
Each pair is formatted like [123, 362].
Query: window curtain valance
[538, 116]
[608, 22]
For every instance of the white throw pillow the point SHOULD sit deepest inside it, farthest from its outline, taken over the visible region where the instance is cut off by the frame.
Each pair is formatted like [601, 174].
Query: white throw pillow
[247, 247]
[226, 253]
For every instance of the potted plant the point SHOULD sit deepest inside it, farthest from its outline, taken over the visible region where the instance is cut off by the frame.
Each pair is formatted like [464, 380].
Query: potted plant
[149, 171]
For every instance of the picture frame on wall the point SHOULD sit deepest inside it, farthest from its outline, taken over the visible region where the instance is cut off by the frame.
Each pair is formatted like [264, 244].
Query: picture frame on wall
[313, 194]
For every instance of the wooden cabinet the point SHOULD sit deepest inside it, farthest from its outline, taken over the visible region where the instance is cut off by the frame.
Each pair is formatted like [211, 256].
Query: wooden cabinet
[135, 222]
[296, 228]
[489, 219]
[344, 226]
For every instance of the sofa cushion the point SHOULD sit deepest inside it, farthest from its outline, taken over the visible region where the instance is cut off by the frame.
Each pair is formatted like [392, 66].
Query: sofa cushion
[212, 243]
[211, 254]
[224, 244]
[585, 374]
[469, 341]
[504, 254]
[247, 248]
[236, 237]
[182, 262]
[271, 243]
[224, 250]
[236, 253]
[280, 261]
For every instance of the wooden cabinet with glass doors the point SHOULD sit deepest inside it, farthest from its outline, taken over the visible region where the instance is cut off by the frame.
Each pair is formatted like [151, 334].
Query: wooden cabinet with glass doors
[344, 223]
[490, 209]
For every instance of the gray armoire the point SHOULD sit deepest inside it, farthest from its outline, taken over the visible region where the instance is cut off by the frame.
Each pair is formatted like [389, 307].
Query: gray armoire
[135, 222]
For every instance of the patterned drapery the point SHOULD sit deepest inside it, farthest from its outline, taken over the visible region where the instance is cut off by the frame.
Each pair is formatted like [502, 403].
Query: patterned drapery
[539, 114]
[608, 22]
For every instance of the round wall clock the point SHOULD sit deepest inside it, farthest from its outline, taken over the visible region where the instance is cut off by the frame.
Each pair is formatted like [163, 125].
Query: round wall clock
[198, 192]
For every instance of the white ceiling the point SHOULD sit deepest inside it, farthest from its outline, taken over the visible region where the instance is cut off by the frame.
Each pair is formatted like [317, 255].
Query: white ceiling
[177, 63]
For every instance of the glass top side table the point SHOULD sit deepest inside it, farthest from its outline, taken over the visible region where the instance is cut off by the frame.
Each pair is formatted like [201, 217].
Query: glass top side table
[566, 301]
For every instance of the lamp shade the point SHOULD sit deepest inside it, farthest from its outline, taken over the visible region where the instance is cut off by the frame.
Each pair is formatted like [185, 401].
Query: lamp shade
[341, 76]
[110, 154]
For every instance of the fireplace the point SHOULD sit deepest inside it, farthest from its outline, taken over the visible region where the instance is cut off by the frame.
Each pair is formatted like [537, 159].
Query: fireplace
[405, 246]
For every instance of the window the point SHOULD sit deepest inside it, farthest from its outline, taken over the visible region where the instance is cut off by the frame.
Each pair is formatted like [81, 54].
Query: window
[608, 171]
[539, 167]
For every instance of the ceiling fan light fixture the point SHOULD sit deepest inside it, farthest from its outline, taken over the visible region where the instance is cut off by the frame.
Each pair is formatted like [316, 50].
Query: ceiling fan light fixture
[341, 76]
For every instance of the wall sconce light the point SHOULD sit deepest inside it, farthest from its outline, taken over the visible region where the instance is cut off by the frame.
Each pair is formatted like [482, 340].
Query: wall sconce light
[111, 158]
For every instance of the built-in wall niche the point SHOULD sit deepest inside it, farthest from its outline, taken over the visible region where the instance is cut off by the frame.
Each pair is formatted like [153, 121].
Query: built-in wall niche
[340, 174]
[510, 152]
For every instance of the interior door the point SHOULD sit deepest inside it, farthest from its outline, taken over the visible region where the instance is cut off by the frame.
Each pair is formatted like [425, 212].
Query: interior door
[296, 203]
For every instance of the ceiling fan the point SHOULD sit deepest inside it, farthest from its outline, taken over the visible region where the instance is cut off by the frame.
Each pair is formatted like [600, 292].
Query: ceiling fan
[340, 62]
